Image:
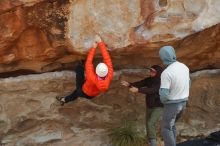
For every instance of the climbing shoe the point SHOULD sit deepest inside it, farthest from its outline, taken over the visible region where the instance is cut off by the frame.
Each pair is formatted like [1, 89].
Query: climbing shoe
[60, 99]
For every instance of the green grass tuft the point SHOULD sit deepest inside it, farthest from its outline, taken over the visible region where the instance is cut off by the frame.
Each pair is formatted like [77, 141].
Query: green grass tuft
[127, 135]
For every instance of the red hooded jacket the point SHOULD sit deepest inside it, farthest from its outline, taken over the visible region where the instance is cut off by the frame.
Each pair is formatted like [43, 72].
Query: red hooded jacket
[93, 86]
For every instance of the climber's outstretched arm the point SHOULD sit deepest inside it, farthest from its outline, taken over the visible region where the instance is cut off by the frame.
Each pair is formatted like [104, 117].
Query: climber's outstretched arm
[106, 57]
[89, 67]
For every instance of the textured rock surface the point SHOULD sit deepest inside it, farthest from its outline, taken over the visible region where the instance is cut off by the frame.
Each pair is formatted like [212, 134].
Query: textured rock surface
[202, 114]
[111, 19]
[30, 115]
[42, 35]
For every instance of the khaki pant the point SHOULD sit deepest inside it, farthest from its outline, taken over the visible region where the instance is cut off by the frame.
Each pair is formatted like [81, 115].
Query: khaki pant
[153, 116]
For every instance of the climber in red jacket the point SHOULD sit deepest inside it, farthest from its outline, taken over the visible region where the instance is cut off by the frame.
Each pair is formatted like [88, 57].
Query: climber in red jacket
[97, 80]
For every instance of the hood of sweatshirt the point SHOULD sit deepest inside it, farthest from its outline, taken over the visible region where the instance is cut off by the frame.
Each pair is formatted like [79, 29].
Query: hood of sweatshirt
[167, 55]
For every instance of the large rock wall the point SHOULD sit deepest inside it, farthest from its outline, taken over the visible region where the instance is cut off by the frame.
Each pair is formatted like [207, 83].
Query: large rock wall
[41, 36]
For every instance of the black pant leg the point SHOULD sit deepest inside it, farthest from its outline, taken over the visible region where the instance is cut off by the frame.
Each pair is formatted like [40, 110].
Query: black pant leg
[85, 96]
[80, 78]
[72, 96]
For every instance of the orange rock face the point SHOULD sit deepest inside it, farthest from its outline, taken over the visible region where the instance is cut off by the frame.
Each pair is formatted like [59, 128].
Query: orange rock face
[32, 34]
[42, 36]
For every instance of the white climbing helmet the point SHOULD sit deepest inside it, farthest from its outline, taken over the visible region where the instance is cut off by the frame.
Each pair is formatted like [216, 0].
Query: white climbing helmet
[101, 70]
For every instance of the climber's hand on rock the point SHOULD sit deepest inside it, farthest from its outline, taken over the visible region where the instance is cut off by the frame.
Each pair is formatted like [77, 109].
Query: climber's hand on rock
[98, 39]
[94, 45]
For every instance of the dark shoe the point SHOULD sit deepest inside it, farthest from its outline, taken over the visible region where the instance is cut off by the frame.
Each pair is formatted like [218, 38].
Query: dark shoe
[60, 100]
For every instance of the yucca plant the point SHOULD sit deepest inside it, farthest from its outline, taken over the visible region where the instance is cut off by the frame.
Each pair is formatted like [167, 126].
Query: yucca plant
[127, 135]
